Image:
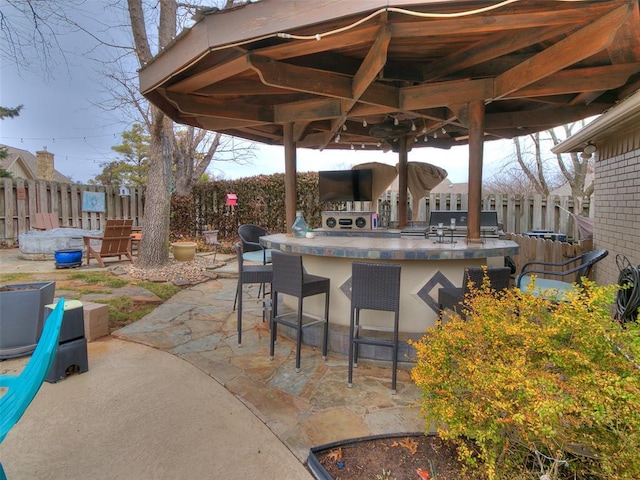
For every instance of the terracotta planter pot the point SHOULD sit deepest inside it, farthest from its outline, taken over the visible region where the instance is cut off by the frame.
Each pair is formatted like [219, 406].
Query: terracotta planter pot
[184, 251]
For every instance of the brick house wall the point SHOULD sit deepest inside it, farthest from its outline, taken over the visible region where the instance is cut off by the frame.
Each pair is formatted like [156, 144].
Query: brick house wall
[617, 202]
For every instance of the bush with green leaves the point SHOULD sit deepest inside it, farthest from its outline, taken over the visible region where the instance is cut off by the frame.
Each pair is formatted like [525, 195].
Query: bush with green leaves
[544, 390]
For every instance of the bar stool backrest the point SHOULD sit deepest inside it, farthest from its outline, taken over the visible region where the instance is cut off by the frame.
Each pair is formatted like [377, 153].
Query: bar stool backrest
[375, 286]
[287, 273]
[499, 278]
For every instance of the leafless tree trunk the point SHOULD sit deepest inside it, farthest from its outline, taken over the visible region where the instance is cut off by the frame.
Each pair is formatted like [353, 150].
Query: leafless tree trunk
[535, 172]
[154, 246]
[189, 163]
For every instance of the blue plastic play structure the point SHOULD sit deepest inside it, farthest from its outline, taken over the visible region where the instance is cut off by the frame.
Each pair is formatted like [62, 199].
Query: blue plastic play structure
[23, 388]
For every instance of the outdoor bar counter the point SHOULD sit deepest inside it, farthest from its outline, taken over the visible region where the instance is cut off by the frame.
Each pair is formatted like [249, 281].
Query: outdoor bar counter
[426, 266]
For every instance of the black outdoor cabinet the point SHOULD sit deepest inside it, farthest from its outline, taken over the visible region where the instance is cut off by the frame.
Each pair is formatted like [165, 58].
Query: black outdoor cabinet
[71, 356]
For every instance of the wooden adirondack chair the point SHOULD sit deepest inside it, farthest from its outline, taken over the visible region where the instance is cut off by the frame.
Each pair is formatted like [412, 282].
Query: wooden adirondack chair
[23, 388]
[115, 241]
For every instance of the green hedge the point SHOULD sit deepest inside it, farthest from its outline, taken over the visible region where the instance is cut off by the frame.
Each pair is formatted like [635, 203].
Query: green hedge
[260, 201]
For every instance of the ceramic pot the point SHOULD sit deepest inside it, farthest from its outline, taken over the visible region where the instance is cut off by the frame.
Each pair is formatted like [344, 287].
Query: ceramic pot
[184, 251]
[68, 257]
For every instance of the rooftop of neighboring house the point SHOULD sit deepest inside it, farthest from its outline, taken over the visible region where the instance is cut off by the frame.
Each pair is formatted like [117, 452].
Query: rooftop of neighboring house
[26, 165]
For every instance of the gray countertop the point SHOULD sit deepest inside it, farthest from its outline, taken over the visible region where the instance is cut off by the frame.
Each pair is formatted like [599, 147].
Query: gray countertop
[389, 248]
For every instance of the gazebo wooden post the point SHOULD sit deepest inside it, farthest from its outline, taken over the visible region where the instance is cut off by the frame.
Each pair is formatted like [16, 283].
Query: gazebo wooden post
[290, 168]
[476, 145]
[402, 182]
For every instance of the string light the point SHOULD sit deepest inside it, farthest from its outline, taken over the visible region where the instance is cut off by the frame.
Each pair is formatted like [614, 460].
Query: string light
[413, 127]
[395, 121]
[364, 122]
[337, 138]
[363, 145]
[443, 131]
[352, 147]
[344, 127]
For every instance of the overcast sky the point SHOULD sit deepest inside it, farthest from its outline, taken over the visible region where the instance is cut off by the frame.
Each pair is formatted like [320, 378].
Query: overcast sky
[61, 113]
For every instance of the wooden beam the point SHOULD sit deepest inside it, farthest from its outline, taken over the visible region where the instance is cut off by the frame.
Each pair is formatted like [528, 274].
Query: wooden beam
[215, 107]
[372, 63]
[444, 93]
[585, 42]
[476, 145]
[626, 48]
[290, 170]
[484, 51]
[299, 129]
[579, 80]
[461, 112]
[541, 117]
[498, 23]
[308, 110]
[366, 74]
[319, 82]
[403, 172]
[363, 35]
[211, 75]
[217, 124]
[242, 86]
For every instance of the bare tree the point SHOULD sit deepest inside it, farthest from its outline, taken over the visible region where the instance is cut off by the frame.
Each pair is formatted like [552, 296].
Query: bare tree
[166, 148]
[533, 169]
[194, 149]
[154, 247]
[29, 30]
[576, 172]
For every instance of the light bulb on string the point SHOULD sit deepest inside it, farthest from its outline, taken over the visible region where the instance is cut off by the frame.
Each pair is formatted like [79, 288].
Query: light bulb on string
[395, 121]
[352, 147]
[344, 127]
[413, 127]
[337, 138]
[364, 122]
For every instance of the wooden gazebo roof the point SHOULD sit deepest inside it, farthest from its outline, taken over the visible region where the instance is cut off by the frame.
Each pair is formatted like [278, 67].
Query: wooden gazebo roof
[397, 74]
[365, 72]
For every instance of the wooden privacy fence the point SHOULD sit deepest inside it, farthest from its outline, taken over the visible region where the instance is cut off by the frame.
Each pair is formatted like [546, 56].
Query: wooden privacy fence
[21, 199]
[517, 213]
[542, 250]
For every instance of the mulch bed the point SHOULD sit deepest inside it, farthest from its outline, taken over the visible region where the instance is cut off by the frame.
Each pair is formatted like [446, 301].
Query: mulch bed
[402, 457]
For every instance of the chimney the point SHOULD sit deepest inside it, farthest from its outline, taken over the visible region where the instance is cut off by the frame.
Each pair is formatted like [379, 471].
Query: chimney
[44, 165]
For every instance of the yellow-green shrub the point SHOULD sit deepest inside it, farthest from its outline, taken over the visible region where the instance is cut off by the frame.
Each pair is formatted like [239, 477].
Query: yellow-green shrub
[530, 381]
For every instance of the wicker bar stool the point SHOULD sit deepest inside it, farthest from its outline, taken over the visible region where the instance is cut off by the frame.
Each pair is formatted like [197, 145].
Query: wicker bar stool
[290, 278]
[374, 286]
[261, 274]
[453, 298]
